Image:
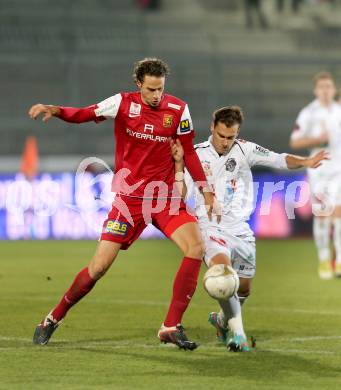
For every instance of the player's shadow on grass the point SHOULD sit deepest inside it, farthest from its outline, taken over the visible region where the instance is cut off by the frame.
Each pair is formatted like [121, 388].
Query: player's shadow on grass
[210, 360]
[260, 366]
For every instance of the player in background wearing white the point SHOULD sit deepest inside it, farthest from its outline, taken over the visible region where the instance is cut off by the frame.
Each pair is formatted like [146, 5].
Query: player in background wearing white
[227, 161]
[338, 98]
[319, 125]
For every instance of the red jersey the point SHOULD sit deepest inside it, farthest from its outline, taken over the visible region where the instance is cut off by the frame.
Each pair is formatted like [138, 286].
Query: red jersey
[143, 159]
[142, 135]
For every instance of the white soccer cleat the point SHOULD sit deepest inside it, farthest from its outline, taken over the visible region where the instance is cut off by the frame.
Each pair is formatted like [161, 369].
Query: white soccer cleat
[325, 270]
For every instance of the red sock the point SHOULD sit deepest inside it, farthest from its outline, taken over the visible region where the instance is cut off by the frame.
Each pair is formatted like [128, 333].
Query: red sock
[184, 287]
[82, 284]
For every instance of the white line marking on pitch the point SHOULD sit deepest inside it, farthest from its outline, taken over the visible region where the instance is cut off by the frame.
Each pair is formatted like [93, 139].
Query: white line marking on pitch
[312, 338]
[298, 311]
[93, 300]
[298, 351]
[298, 339]
[166, 303]
[6, 338]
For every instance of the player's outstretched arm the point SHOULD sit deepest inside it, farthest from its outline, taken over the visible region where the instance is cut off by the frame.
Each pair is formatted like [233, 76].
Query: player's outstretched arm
[295, 162]
[68, 114]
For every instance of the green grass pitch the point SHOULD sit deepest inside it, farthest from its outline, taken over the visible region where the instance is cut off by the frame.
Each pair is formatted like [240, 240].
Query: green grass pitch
[108, 341]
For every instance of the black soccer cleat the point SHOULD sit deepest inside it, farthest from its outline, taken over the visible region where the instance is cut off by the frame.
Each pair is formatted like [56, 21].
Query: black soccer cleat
[45, 330]
[176, 335]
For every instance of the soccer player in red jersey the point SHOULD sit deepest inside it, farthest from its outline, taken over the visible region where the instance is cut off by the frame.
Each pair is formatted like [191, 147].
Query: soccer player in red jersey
[144, 123]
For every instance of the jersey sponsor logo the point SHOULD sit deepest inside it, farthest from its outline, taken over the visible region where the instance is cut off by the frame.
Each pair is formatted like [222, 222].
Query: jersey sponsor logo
[175, 106]
[244, 267]
[185, 125]
[230, 164]
[261, 151]
[102, 111]
[167, 120]
[134, 110]
[146, 136]
[148, 127]
[117, 228]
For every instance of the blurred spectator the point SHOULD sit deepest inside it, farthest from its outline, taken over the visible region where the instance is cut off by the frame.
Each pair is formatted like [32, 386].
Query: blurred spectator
[149, 4]
[254, 7]
[295, 5]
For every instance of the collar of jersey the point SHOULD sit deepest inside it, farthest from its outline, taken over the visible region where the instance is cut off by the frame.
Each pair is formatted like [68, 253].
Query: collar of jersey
[317, 103]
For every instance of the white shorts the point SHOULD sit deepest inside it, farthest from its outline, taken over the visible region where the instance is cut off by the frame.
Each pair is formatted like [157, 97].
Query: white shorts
[240, 249]
[326, 187]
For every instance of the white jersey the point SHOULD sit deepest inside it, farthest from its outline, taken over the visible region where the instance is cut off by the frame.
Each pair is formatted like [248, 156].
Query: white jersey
[314, 120]
[231, 177]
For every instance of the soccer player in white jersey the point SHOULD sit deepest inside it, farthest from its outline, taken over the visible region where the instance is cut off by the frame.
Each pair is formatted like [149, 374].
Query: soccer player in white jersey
[319, 125]
[227, 161]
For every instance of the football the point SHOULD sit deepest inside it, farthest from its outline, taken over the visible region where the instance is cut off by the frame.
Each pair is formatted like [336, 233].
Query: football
[221, 281]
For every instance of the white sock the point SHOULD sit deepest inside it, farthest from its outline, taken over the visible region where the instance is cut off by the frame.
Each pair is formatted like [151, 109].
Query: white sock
[231, 315]
[242, 300]
[337, 239]
[321, 231]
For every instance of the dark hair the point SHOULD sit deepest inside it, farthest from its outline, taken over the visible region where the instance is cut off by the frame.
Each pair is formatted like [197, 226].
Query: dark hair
[322, 76]
[229, 116]
[150, 67]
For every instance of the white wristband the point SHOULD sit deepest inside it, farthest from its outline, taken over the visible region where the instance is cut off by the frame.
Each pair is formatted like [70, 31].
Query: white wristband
[179, 176]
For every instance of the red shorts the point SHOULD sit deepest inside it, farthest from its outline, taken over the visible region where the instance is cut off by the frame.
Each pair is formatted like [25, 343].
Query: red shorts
[129, 216]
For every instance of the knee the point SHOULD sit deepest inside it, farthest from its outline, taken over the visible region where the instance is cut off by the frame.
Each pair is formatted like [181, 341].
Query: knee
[96, 271]
[195, 250]
[98, 267]
[244, 292]
[104, 256]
